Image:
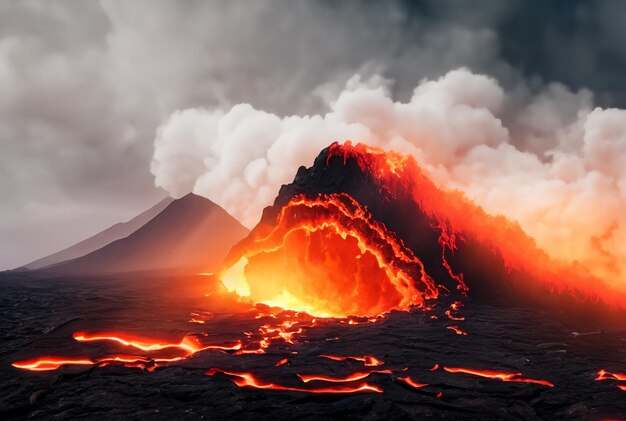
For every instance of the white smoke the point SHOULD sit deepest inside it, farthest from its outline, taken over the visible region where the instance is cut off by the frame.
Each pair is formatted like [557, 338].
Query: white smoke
[547, 160]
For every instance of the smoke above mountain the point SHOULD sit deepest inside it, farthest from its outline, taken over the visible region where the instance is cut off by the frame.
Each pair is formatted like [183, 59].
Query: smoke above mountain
[546, 159]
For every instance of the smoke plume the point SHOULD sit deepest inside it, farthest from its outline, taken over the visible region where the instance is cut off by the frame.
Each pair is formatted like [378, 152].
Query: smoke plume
[546, 159]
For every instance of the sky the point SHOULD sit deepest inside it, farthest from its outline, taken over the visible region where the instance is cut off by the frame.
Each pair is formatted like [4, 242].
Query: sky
[101, 101]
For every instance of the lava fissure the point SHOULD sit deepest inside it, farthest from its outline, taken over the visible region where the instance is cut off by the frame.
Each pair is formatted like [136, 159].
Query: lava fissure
[498, 375]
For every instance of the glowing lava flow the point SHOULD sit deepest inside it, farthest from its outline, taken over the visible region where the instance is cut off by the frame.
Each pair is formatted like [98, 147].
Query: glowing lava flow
[607, 375]
[457, 330]
[50, 363]
[367, 360]
[249, 380]
[350, 378]
[328, 257]
[409, 381]
[189, 344]
[505, 377]
[460, 220]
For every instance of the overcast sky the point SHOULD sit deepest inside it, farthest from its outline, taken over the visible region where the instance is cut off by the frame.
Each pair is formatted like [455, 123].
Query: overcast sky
[84, 85]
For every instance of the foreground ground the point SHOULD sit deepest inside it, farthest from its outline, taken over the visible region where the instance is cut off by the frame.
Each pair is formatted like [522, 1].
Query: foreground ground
[38, 315]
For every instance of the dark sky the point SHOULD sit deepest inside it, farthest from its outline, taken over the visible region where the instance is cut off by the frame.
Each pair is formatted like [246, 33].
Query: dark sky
[86, 84]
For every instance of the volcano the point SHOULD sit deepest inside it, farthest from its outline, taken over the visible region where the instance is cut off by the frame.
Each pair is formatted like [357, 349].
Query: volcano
[364, 231]
[191, 234]
[365, 291]
[103, 238]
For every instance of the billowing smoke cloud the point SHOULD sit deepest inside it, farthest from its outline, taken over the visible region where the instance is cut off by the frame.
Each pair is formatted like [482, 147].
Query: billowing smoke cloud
[548, 160]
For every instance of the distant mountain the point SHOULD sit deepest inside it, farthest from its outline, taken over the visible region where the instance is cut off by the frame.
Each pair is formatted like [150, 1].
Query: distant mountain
[190, 234]
[114, 232]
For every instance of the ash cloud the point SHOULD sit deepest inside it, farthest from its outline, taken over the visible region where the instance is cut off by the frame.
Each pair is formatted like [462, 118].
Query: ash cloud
[85, 85]
[550, 161]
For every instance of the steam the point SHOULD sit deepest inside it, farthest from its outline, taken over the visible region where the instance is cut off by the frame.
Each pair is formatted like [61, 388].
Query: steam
[547, 159]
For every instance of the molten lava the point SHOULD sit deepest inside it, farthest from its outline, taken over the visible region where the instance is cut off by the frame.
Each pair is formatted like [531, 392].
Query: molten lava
[459, 220]
[328, 257]
[607, 375]
[409, 381]
[249, 380]
[350, 378]
[498, 375]
[367, 360]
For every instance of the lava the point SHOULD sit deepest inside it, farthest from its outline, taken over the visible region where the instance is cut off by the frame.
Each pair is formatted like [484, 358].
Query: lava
[350, 378]
[409, 381]
[503, 376]
[457, 330]
[328, 257]
[189, 344]
[459, 220]
[49, 363]
[250, 380]
[367, 360]
[607, 375]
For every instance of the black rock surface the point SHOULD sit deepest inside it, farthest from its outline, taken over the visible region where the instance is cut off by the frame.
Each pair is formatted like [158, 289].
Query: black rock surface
[38, 316]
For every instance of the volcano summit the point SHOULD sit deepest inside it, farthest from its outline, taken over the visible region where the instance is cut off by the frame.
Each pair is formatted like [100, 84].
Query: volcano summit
[364, 231]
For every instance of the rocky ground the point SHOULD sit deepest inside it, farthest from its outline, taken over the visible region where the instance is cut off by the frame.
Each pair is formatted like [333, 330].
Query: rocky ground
[40, 313]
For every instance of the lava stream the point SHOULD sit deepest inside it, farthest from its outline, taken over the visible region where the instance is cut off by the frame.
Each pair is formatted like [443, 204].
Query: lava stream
[607, 375]
[189, 344]
[503, 376]
[367, 360]
[409, 381]
[249, 380]
[457, 330]
[50, 363]
[350, 378]
[328, 257]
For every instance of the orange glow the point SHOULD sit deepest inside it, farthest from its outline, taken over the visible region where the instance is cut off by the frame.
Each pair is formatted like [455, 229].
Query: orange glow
[505, 377]
[607, 375]
[408, 380]
[350, 378]
[327, 256]
[367, 360]
[460, 220]
[50, 363]
[249, 380]
[189, 344]
[457, 330]
[281, 362]
[358, 266]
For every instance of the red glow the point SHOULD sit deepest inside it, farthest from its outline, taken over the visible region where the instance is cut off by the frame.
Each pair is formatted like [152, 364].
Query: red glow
[350, 378]
[408, 380]
[50, 363]
[457, 330]
[367, 360]
[607, 375]
[458, 219]
[249, 380]
[281, 362]
[505, 377]
[329, 239]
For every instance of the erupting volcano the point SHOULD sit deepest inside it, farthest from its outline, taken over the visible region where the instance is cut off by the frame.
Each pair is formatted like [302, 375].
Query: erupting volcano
[362, 241]
[364, 231]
